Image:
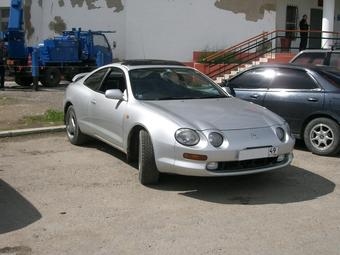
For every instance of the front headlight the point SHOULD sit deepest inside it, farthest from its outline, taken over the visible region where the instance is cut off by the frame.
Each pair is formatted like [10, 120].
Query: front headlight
[187, 136]
[215, 139]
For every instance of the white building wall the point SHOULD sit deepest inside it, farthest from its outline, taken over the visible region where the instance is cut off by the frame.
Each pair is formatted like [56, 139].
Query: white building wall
[154, 28]
[174, 29]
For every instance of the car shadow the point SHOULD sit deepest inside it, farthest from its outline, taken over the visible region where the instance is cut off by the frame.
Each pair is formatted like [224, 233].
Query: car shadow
[288, 185]
[16, 212]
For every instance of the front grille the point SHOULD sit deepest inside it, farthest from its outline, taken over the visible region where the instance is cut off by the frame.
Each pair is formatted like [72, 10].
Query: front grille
[246, 165]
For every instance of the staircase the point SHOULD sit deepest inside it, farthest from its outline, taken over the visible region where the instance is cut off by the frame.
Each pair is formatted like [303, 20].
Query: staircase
[268, 47]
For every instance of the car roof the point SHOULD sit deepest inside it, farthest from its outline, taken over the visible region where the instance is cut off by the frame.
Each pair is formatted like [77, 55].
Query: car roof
[148, 63]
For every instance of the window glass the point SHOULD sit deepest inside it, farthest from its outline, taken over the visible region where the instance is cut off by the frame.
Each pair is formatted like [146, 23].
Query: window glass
[332, 77]
[335, 60]
[286, 78]
[100, 40]
[252, 79]
[172, 83]
[94, 81]
[114, 80]
[310, 58]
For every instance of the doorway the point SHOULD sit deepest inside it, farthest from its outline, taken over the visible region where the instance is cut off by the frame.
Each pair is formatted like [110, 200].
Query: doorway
[315, 24]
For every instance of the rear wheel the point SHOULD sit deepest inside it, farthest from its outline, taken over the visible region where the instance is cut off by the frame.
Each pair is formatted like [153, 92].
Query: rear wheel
[51, 77]
[73, 131]
[23, 80]
[148, 173]
[322, 136]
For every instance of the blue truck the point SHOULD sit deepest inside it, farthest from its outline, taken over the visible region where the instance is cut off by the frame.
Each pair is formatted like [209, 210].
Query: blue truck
[63, 56]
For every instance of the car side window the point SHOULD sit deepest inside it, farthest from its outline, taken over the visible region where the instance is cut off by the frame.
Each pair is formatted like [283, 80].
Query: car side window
[335, 59]
[95, 80]
[252, 79]
[286, 78]
[114, 80]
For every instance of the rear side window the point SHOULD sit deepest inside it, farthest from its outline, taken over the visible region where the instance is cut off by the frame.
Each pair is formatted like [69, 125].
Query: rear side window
[286, 78]
[310, 58]
[252, 79]
[332, 77]
[334, 60]
[94, 81]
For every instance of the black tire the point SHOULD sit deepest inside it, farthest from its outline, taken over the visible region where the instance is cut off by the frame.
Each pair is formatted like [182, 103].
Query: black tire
[23, 80]
[73, 131]
[322, 136]
[148, 173]
[71, 72]
[51, 77]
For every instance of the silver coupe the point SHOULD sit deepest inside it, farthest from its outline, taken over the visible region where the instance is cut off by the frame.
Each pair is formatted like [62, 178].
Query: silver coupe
[173, 119]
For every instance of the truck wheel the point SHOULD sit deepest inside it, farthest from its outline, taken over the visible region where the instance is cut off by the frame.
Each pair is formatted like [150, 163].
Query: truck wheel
[23, 80]
[51, 77]
[71, 72]
[73, 131]
[322, 136]
[148, 173]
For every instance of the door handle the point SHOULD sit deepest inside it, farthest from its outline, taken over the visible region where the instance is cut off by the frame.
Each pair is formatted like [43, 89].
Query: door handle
[312, 99]
[255, 96]
[93, 101]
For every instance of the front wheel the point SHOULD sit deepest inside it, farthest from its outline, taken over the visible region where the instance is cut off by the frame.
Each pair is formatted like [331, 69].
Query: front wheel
[322, 136]
[73, 131]
[148, 173]
[51, 77]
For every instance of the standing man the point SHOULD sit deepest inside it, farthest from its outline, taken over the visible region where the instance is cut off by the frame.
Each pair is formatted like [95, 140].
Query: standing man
[2, 65]
[304, 35]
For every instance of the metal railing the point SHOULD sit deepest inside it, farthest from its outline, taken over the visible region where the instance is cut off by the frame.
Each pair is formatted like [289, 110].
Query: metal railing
[224, 61]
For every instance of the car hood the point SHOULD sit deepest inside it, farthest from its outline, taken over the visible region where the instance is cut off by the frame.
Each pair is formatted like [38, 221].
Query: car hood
[220, 114]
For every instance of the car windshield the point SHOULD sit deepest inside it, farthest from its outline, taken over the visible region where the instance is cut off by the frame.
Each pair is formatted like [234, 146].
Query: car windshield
[171, 84]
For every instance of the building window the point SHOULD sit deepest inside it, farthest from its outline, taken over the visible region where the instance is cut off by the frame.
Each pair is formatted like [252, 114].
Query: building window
[4, 16]
[320, 3]
[291, 21]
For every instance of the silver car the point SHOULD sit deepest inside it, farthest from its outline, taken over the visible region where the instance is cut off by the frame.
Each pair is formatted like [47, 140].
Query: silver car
[173, 119]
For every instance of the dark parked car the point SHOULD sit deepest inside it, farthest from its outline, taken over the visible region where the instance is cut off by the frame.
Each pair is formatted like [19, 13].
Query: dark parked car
[318, 57]
[307, 97]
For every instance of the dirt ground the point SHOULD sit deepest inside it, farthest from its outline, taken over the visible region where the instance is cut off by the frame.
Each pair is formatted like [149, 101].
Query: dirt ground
[17, 102]
[57, 198]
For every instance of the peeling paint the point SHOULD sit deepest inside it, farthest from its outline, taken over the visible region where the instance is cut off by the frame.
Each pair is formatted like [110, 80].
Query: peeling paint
[115, 4]
[90, 3]
[58, 25]
[27, 18]
[254, 10]
[61, 3]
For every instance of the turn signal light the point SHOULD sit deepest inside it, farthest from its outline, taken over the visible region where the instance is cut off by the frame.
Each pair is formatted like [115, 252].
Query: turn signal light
[195, 157]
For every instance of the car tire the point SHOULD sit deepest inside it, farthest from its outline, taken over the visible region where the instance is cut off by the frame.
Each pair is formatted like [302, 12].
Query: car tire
[322, 136]
[148, 172]
[51, 77]
[73, 131]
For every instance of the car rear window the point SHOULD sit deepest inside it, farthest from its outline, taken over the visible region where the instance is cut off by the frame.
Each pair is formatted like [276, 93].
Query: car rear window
[310, 58]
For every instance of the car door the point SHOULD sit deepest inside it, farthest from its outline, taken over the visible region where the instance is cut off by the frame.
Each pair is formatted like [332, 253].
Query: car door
[250, 85]
[108, 114]
[294, 95]
[83, 100]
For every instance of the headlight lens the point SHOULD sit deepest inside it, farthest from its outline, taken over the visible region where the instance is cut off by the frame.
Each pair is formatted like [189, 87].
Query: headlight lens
[215, 139]
[280, 133]
[187, 137]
